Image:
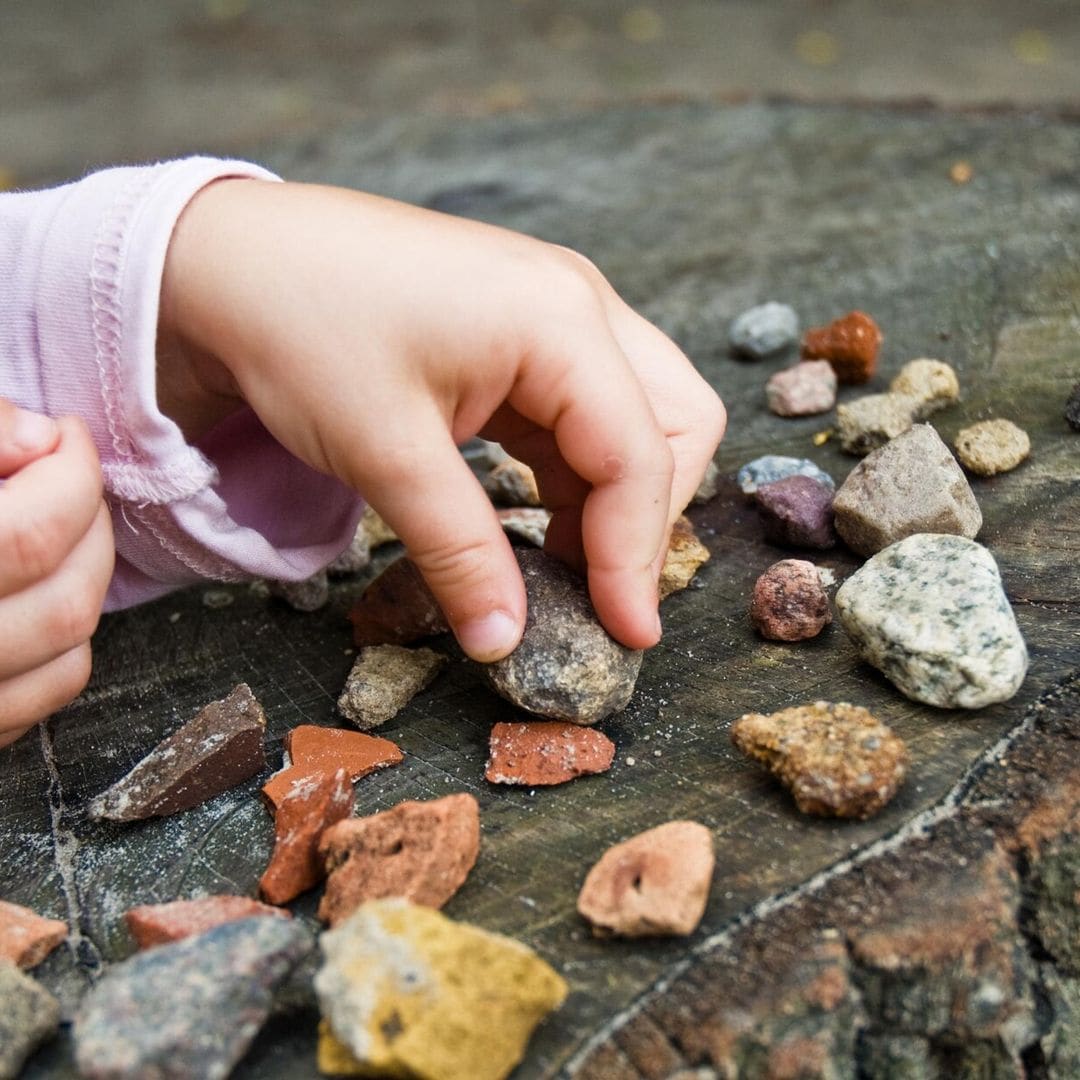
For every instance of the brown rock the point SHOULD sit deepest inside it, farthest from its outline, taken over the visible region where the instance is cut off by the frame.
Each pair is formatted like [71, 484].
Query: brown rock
[837, 760]
[869, 422]
[383, 680]
[797, 512]
[26, 938]
[655, 883]
[310, 807]
[397, 608]
[850, 344]
[512, 483]
[543, 752]
[159, 924]
[420, 851]
[789, 603]
[685, 554]
[992, 446]
[220, 748]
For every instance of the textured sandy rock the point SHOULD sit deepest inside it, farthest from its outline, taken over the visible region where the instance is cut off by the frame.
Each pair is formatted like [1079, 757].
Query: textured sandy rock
[931, 384]
[160, 924]
[397, 608]
[772, 467]
[512, 483]
[311, 594]
[543, 752]
[383, 680]
[869, 422]
[930, 612]
[910, 485]
[685, 554]
[838, 760]
[804, 389]
[407, 992]
[654, 884]
[849, 343]
[220, 748]
[797, 512]
[789, 603]
[26, 938]
[763, 330]
[528, 522]
[992, 446]
[29, 1015]
[421, 851]
[566, 667]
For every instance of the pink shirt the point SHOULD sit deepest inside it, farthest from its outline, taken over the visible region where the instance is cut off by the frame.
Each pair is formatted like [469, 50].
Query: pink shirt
[80, 274]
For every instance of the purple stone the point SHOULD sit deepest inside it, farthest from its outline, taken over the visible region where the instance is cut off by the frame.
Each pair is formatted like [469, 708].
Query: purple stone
[797, 512]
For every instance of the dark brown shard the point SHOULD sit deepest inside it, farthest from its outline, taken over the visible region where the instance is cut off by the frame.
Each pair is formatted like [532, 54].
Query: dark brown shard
[543, 752]
[397, 608]
[420, 851]
[26, 938]
[160, 924]
[220, 748]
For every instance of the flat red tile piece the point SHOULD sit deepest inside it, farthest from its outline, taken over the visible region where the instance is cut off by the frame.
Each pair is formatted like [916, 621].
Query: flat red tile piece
[545, 752]
[158, 924]
[26, 938]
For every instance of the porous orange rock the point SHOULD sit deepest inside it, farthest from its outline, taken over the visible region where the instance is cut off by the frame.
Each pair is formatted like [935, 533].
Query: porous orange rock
[849, 343]
[397, 608]
[159, 924]
[26, 938]
[685, 554]
[544, 752]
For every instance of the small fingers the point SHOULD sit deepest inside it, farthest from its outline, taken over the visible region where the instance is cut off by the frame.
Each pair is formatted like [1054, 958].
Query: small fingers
[24, 436]
[27, 699]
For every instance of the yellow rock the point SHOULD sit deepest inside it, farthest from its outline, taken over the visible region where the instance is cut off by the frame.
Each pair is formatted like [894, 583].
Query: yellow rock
[407, 992]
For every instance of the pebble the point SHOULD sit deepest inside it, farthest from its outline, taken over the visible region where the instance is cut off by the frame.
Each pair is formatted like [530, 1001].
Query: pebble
[528, 522]
[910, 485]
[567, 666]
[871, 421]
[311, 594]
[685, 554]
[992, 446]
[396, 608]
[804, 389]
[512, 483]
[220, 748]
[376, 530]
[540, 753]
[1072, 408]
[849, 343]
[189, 1010]
[789, 602]
[420, 851]
[405, 991]
[383, 680]
[763, 330]
[773, 467]
[931, 384]
[709, 486]
[29, 1015]
[654, 884]
[838, 760]
[797, 512]
[160, 924]
[357, 556]
[931, 613]
[26, 937]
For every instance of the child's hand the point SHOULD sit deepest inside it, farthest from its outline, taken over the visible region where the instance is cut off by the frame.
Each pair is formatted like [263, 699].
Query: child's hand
[373, 337]
[56, 559]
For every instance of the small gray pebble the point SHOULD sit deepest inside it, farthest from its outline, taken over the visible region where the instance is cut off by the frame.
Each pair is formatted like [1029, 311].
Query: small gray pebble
[29, 1015]
[764, 330]
[773, 467]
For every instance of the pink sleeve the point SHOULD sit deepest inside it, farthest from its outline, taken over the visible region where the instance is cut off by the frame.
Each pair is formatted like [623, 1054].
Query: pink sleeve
[80, 273]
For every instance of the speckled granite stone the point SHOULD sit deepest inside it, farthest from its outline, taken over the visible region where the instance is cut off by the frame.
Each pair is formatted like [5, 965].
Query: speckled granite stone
[29, 1015]
[763, 330]
[772, 467]
[930, 612]
[992, 446]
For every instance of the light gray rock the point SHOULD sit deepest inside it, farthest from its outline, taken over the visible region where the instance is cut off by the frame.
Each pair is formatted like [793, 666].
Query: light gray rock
[763, 330]
[310, 594]
[910, 485]
[29, 1015]
[383, 680]
[871, 421]
[772, 467]
[930, 613]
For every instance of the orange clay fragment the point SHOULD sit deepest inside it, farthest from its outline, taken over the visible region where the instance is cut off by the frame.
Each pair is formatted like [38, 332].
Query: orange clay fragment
[26, 938]
[159, 924]
[850, 344]
[544, 752]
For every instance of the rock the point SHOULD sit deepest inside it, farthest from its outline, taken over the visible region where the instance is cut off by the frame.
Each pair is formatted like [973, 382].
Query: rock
[804, 389]
[910, 485]
[311, 748]
[189, 1009]
[763, 330]
[709, 486]
[26, 938]
[407, 992]
[773, 467]
[684, 555]
[421, 851]
[797, 512]
[512, 483]
[397, 608]
[1072, 408]
[992, 446]
[376, 530]
[930, 612]
[160, 924]
[838, 760]
[307, 595]
[29, 1015]
[220, 748]
[528, 522]
[567, 666]
[849, 343]
[789, 603]
[869, 422]
[543, 752]
[383, 680]
[654, 884]
[930, 384]
[356, 557]
[302, 816]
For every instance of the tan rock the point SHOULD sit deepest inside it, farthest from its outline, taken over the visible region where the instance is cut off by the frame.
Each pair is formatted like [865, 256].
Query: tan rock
[159, 924]
[543, 752]
[26, 938]
[992, 446]
[869, 422]
[686, 553]
[512, 483]
[376, 530]
[931, 384]
[383, 680]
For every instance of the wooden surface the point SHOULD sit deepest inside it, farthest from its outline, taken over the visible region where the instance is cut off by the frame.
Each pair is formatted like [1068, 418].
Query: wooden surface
[694, 213]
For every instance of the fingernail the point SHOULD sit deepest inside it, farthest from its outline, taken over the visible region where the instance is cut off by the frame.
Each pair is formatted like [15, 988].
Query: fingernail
[32, 431]
[489, 638]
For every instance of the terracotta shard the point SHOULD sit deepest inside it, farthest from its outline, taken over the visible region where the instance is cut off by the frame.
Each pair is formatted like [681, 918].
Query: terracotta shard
[397, 608]
[220, 748]
[309, 808]
[160, 924]
[421, 851]
[850, 344]
[26, 938]
[685, 554]
[544, 752]
[383, 680]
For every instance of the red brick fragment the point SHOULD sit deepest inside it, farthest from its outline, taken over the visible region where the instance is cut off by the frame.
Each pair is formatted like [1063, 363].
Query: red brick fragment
[850, 344]
[397, 608]
[421, 851]
[310, 807]
[159, 924]
[546, 752]
[26, 938]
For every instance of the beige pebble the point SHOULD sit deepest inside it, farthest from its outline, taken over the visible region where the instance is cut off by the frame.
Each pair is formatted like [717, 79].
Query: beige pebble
[931, 383]
[992, 446]
[869, 422]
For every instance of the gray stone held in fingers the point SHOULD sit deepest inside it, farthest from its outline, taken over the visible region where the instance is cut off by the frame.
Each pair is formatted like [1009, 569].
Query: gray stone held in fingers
[29, 1015]
[931, 614]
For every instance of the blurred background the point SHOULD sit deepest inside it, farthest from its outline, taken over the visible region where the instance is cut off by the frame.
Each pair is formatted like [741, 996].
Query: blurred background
[87, 82]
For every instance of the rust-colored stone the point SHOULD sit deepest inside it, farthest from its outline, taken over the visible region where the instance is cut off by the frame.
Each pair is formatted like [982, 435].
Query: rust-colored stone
[545, 752]
[310, 807]
[685, 554]
[849, 343]
[421, 851]
[26, 938]
[789, 602]
[159, 924]
[397, 608]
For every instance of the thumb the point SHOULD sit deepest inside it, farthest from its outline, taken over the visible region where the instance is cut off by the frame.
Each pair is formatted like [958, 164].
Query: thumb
[24, 437]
